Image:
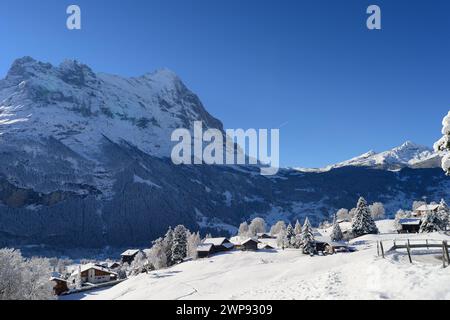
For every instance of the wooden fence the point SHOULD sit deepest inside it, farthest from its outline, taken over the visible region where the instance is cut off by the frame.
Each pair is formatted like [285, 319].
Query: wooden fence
[416, 244]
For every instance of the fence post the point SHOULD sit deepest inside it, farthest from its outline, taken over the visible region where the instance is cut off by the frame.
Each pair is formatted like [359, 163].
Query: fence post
[409, 251]
[378, 248]
[427, 243]
[382, 249]
[443, 254]
[446, 252]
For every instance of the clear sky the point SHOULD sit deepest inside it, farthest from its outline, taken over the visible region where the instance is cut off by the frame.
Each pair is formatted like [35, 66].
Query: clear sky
[312, 67]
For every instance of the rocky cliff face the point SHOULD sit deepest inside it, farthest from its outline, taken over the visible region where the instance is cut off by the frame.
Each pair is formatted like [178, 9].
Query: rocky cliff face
[85, 163]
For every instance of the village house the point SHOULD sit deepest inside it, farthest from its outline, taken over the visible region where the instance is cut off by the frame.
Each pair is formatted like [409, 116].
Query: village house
[213, 245]
[327, 246]
[204, 250]
[60, 285]
[425, 209]
[265, 246]
[219, 244]
[129, 255]
[409, 225]
[265, 235]
[249, 244]
[91, 273]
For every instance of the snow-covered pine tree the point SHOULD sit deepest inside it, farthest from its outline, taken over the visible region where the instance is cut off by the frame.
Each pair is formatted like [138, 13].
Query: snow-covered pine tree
[430, 223]
[179, 245]
[308, 243]
[298, 228]
[443, 214]
[296, 240]
[443, 145]
[167, 246]
[363, 222]
[289, 236]
[336, 232]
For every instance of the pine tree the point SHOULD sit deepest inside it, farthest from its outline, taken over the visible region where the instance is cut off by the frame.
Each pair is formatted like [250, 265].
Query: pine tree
[444, 215]
[444, 144]
[289, 236]
[308, 243]
[167, 246]
[336, 233]
[431, 223]
[363, 222]
[179, 245]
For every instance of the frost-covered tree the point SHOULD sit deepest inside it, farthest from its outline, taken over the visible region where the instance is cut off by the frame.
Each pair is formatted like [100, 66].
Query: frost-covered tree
[277, 228]
[193, 241]
[78, 280]
[431, 223]
[443, 145]
[157, 254]
[179, 245]
[289, 237]
[377, 211]
[351, 214]
[308, 243]
[258, 225]
[297, 228]
[243, 230]
[443, 214]
[167, 246]
[343, 214]
[362, 222]
[139, 264]
[336, 232]
[24, 279]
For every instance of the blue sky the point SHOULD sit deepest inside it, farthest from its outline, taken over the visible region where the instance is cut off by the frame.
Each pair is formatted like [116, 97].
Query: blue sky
[312, 67]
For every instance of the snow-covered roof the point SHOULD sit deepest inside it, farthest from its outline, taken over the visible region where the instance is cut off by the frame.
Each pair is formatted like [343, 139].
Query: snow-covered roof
[130, 252]
[204, 247]
[92, 266]
[428, 207]
[248, 240]
[328, 240]
[58, 279]
[215, 241]
[409, 221]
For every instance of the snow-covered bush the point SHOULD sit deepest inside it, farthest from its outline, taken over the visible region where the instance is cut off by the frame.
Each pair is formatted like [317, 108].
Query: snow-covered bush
[377, 211]
[363, 222]
[443, 145]
[24, 279]
[258, 225]
[308, 243]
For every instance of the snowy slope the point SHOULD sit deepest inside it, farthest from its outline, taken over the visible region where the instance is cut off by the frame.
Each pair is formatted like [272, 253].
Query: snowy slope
[408, 154]
[290, 275]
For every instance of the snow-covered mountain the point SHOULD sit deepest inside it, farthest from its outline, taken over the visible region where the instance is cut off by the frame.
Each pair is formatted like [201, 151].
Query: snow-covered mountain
[408, 154]
[85, 163]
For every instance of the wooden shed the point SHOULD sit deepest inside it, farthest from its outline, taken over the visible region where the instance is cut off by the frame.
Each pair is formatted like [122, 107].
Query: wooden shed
[60, 285]
[409, 225]
[249, 244]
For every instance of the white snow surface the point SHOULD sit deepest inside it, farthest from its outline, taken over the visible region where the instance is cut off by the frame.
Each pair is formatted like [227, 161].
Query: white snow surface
[288, 274]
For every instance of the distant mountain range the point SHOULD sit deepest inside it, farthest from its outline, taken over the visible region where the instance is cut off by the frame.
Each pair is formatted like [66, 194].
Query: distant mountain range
[408, 155]
[85, 164]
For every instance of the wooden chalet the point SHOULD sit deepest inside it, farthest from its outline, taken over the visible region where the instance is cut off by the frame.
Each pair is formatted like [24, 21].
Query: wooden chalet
[249, 244]
[91, 273]
[129, 255]
[409, 225]
[327, 246]
[60, 285]
[219, 244]
[204, 250]
[265, 235]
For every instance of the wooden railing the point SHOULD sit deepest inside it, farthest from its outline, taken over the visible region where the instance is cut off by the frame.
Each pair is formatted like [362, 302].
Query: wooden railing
[416, 244]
